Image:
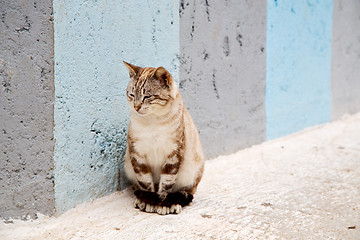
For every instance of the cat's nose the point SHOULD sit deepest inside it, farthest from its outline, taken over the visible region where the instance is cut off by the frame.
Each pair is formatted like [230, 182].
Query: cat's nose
[137, 107]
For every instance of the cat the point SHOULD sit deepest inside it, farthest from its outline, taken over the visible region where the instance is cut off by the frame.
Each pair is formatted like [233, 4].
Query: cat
[164, 159]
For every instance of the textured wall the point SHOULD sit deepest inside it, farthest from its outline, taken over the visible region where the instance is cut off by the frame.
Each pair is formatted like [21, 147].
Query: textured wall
[345, 70]
[222, 71]
[298, 86]
[26, 113]
[91, 40]
[237, 57]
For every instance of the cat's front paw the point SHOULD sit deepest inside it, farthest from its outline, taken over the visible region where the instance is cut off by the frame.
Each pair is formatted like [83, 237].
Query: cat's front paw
[139, 204]
[162, 210]
[174, 209]
[146, 207]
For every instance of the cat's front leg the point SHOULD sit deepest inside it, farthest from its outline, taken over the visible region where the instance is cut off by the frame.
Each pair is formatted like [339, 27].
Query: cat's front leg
[143, 173]
[169, 173]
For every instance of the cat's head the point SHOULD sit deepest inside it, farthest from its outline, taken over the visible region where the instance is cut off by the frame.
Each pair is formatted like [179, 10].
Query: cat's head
[150, 90]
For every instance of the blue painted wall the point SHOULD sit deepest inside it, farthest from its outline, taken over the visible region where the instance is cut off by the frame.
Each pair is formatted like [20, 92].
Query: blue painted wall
[298, 85]
[91, 116]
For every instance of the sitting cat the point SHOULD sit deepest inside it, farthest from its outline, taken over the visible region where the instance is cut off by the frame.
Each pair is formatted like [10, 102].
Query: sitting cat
[164, 159]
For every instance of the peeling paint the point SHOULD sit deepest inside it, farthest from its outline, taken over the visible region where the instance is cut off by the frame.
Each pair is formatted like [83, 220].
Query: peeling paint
[226, 48]
[238, 38]
[214, 84]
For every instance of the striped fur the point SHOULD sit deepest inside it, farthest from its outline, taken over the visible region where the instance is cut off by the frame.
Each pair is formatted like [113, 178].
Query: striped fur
[164, 158]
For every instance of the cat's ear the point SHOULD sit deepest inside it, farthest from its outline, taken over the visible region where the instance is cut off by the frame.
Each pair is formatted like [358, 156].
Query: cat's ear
[133, 70]
[163, 75]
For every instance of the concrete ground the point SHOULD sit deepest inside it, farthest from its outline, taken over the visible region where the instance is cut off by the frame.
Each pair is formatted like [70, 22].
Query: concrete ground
[303, 186]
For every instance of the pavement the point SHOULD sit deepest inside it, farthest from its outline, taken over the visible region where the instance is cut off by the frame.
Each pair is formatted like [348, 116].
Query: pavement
[302, 186]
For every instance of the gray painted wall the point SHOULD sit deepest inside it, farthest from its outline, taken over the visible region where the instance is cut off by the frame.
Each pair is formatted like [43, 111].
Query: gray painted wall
[26, 113]
[346, 58]
[222, 71]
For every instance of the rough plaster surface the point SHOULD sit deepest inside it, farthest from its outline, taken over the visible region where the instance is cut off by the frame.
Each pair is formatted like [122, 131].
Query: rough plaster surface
[91, 40]
[26, 108]
[222, 72]
[345, 70]
[298, 82]
[304, 186]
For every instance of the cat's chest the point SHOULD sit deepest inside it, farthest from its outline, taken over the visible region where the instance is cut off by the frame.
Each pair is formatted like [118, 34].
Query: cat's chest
[155, 143]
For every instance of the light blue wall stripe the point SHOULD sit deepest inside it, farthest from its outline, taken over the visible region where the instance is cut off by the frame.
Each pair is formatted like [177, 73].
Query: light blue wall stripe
[91, 40]
[298, 89]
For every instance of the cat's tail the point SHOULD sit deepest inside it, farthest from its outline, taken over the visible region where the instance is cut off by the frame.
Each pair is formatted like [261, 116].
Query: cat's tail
[182, 198]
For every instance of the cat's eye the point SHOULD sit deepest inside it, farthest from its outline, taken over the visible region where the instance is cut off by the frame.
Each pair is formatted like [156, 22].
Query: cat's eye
[131, 95]
[146, 97]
